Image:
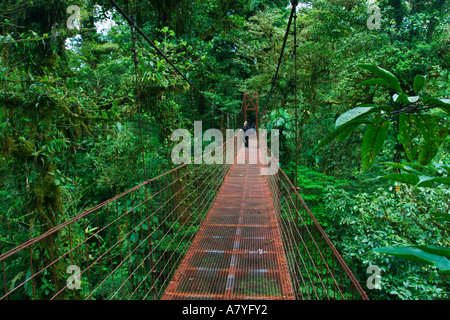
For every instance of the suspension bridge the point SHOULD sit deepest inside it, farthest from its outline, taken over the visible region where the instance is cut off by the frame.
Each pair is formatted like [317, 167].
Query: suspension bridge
[197, 231]
[207, 231]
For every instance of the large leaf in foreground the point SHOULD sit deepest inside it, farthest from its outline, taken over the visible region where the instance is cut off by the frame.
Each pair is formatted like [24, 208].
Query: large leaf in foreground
[403, 98]
[417, 174]
[353, 114]
[373, 141]
[403, 178]
[430, 133]
[387, 76]
[435, 256]
[407, 133]
[442, 103]
[375, 81]
[419, 83]
[420, 181]
[351, 125]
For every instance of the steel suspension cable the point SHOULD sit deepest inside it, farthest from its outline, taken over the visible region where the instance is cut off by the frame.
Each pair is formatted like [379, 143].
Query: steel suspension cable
[138, 92]
[294, 5]
[286, 35]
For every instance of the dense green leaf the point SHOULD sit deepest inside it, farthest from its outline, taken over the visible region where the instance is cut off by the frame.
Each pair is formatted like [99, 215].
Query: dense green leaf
[437, 101]
[375, 81]
[431, 167]
[442, 251]
[442, 180]
[373, 141]
[407, 133]
[353, 114]
[403, 98]
[345, 133]
[391, 80]
[430, 133]
[419, 83]
[403, 178]
[430, 255]
[340, 130]
[403, 166]
[446, 167]
[443, 103]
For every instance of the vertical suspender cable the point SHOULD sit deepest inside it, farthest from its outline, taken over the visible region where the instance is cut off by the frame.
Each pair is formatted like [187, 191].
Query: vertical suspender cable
[138, 103]
[297, 222]
[133, 36]
[294, 4]
[275, 77]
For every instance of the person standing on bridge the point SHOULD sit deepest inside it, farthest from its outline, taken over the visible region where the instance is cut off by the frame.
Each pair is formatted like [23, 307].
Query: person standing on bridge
[245, 128]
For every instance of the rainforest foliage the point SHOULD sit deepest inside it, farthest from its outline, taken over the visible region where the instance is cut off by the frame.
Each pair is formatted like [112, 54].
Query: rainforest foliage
[370, 138]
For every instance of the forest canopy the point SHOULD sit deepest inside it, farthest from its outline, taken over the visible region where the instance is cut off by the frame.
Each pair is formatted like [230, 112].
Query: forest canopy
[362, 111]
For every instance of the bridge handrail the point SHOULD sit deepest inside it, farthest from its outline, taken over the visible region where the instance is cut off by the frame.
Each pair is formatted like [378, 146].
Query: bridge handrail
[317, 225]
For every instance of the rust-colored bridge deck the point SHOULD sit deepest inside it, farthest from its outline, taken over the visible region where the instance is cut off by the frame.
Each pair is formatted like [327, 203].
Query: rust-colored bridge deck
[237, 253]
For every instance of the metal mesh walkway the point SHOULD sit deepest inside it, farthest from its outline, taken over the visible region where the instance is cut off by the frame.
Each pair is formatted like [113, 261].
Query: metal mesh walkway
[237, 253]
